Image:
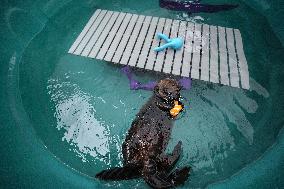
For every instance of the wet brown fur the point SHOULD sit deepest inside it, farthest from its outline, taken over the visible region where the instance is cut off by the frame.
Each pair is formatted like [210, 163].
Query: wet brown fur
[146, 141]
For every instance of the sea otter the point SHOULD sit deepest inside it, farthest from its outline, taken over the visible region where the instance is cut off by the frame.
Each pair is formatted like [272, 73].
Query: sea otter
[145, 144]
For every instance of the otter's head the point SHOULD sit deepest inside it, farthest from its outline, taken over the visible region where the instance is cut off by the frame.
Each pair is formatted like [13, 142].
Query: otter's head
[167, 90]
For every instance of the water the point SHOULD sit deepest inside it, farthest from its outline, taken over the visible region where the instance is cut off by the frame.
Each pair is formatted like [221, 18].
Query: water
[81, 108]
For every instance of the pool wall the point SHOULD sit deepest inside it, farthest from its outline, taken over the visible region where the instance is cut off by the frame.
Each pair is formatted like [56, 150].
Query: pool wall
[25, 161]
[273, 11]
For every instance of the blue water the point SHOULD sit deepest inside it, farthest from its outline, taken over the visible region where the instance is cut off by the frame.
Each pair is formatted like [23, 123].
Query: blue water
[81, 108]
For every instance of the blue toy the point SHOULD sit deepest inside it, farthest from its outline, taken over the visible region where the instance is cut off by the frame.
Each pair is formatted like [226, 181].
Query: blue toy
[175, 43]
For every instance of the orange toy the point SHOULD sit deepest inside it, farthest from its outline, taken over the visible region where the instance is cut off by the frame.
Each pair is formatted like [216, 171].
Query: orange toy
[176, 109]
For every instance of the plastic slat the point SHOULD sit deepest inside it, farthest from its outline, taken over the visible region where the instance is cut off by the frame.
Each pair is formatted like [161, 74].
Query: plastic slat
[96, 34]
[243, 67]
[196, 52]
[140, 41]
[152, 54]
[214, 70]
[127, 53]
[205, 53]
[124, 39]
[179, 54]
[110, 36]
[147, 44]
[87, 37]
[84, 31]
[170, 52]
[103, 36]
[224, 76]
[233, 62]
[160, 57]
[117, 38]
[188, 50]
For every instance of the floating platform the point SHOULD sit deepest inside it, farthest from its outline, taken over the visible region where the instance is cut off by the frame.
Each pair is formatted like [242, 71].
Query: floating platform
[210, 53]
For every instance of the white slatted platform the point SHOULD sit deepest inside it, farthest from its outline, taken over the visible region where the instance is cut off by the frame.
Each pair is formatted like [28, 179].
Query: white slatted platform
[210, 53]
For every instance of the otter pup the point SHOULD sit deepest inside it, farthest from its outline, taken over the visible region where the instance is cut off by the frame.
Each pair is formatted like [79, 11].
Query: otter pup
[145, 144]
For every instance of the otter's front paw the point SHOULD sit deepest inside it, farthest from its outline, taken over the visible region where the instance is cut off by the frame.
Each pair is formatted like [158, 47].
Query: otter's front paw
[177, 150]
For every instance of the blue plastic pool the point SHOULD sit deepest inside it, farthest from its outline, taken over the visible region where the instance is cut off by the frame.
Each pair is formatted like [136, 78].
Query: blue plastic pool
[64, 117]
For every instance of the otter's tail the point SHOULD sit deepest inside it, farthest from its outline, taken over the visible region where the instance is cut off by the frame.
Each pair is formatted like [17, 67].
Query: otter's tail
[119, 173]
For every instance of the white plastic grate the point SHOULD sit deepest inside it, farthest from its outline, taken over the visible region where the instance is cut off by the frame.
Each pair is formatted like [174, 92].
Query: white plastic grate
[210, 53]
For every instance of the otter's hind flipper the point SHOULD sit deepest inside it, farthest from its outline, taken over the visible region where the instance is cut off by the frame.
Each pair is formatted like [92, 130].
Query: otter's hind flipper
[179, 176]
[169, 160]
[154, 178]
[156, 181]
[119, 173]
